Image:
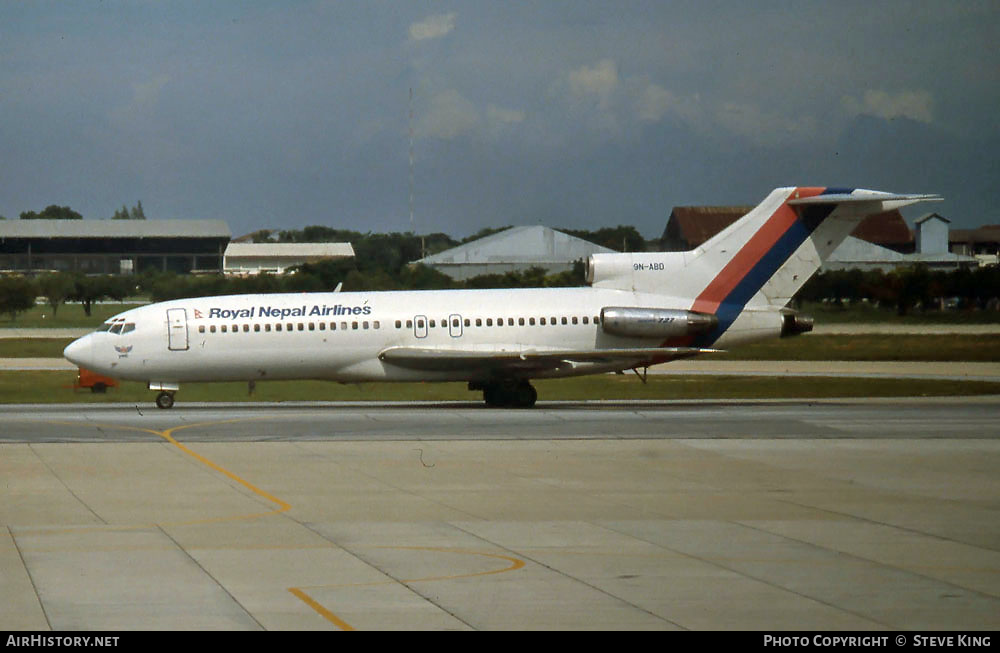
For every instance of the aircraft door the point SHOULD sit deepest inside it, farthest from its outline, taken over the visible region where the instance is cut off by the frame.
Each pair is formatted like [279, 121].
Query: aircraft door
[455, 325]
[177, 330]
[420, 326]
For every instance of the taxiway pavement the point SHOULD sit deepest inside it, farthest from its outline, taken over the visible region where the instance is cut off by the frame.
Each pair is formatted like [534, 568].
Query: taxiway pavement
[784, 515]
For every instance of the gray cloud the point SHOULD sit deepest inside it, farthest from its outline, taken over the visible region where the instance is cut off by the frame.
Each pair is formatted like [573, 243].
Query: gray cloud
[432, 27]
[571, 113]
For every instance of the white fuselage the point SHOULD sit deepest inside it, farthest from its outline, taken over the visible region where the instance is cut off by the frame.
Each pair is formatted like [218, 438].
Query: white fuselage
[660, 306]
[339, 336]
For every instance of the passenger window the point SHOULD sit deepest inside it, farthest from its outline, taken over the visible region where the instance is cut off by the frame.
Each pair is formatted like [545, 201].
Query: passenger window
[201, 329]
[520, 321]
[236, 328]
[333, 326]
[574, 319]
[223, 328]
[364, 325]
[542, 321]
[128, 328]
[116, 329]
[277, 327]
[510, 321]
[312, 326]
[399, 324]
[489, 321]
[246, 328]
[375, 325]
[531, 321]
[322, 326]
[585, 320]
[302, 327]
[354, 325]
[256, 328]
[343, 326]
[267, 327]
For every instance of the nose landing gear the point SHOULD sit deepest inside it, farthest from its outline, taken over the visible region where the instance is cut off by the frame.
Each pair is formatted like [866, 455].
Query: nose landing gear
[165, 400]
[167, 389]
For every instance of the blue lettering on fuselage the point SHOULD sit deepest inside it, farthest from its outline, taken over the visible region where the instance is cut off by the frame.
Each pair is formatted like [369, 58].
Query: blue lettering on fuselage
[230, 313]
[283, 312]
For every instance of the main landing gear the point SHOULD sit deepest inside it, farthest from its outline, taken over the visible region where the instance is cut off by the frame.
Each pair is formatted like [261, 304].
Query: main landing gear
[507, 394]
[165, 400]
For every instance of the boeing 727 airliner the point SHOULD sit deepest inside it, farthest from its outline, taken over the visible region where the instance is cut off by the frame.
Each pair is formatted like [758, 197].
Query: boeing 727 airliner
[641, 309]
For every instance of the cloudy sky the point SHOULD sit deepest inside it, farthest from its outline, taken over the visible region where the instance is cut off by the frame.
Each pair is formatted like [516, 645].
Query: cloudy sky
[565, 113]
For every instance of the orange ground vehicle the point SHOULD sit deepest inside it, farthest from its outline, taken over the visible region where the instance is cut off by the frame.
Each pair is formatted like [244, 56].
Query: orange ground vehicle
[94, 381]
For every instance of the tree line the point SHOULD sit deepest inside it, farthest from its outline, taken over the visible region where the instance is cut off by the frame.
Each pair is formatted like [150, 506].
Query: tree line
[19, 294]
[908, 289]
[56, 212]
[383, 262]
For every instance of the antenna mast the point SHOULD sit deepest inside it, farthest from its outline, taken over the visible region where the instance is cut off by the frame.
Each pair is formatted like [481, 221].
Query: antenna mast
[422, 247]
[411, 156]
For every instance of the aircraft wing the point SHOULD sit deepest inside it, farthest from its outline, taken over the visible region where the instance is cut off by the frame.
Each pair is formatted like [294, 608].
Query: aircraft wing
[447, 359]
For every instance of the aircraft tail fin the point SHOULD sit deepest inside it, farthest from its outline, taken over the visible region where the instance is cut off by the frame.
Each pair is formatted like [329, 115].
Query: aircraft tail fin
[781, 243]
[760, 261]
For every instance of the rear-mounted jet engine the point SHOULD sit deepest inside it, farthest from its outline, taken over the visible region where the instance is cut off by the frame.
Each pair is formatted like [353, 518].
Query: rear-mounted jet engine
[655, 322]
[792, 324]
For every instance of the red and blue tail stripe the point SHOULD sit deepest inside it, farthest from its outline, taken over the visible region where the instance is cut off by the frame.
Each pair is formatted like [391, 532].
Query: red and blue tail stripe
[759, 259]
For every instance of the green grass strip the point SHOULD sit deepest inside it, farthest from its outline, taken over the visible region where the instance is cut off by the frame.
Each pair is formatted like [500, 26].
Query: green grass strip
[69, 316]
[984, 348]
[57, 387]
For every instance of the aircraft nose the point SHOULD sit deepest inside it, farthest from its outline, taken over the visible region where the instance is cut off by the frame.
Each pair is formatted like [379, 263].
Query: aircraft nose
[80, 351]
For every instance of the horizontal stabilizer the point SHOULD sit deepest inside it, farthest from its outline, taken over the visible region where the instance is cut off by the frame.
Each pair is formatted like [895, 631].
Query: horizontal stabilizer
[890, 200]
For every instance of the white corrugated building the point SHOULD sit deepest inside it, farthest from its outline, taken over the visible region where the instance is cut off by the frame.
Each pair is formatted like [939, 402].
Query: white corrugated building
[254, 258]
[511, 250]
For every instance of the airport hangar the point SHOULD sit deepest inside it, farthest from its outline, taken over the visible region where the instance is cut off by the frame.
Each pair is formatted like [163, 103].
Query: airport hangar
[112, 246]
[133, 246]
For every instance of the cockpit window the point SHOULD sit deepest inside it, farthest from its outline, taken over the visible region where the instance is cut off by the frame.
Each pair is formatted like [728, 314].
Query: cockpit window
[117, 326]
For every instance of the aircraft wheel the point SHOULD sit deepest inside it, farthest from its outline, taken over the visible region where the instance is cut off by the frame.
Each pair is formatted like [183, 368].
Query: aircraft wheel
[510, 395]
[494, 395]
[525, 395]
[165, 400]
